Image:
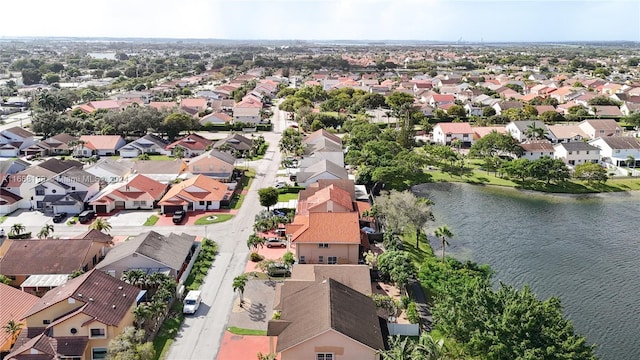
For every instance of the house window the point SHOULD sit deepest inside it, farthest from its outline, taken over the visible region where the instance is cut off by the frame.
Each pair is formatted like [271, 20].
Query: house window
[323, 246]
[587, 152]
[98, 333]
[572, 162]
[201, 203]
[531, 154]
[324, 356]
[302, 260]
[332, 260]
[143, 202]
[578, 152]
[46, 322]
[39, 191]
[73, 188]
[570, 152]
[320, 259]
[136, 203]
[98, 353]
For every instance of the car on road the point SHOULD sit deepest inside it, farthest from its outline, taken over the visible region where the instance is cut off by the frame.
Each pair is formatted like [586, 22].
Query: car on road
[275, 242]
[59, 217]
[178, 216]
[192, 302]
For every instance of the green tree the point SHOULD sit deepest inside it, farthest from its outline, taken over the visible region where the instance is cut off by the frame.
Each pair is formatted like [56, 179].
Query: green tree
[268, 197]
[31, 76]
[176, 123]
[5, 280]
[12, 328]
[254, 242]
[536, 132]
[239, 284]
[398, 266]
[130, 345]
[397, 99]
[495, 144]
[488, 111]
[457, 111]
[17, 229]
[398, 210]
[443, 233]
[291, 142]
[101, 224]
[591, 173]
[550, 117]
[46, 230]
[387, 304]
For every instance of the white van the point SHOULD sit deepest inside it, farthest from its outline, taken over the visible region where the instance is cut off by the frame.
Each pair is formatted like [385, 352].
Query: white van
[191, 302]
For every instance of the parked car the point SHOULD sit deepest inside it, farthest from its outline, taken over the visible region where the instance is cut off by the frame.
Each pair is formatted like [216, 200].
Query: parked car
[278, 270]
[59, 217]
[178, 216]
[280, 185]
[192, 302]
[275, 242]
[86, 216]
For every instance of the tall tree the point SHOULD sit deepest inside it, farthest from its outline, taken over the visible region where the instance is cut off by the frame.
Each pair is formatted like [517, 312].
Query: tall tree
[239, 284]
[46, 230]
[101, 224]
[268, 197]
[398, 209]
[17, 229]
[443, 233]
[13, 329]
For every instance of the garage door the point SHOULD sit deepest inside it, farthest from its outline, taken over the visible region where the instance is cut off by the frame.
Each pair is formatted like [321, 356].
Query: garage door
[119, 204]
[101, 209]
[170, 209]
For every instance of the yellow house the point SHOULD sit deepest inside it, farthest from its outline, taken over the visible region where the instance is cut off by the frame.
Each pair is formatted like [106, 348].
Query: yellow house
[328, 321]
[85, 313]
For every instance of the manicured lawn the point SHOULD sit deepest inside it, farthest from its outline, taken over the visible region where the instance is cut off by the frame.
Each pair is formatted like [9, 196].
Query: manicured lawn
[421, 252]
[287, 197]
[152, 220]
[212, 219]
[3, 218]
[241, 331]
[167, 333]
[161, 157]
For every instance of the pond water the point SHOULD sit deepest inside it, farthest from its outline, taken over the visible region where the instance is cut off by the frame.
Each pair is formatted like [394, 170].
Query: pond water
[584, 249]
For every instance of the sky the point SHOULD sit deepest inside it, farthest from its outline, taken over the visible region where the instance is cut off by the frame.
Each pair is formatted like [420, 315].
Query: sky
[436, 20]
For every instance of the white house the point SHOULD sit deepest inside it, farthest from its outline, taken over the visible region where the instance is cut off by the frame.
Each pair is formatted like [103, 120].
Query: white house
[110, 171]
[444, 133]
[323, 169]
[600, 128]
[103, 145]
[576, 153]
[13, 140]
[148, 144]
[534, 150]
[140, 192]
[518, 129]
[66, 192]
[247, 115]
[565, 133]
[616, 150]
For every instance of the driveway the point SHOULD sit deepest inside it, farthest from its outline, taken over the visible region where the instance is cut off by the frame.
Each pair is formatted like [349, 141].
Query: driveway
[129, 217]
[30, 219]
[242, 347]
[257, 308]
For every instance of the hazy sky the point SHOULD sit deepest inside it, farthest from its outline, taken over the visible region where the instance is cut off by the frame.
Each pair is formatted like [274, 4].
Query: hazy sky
[443, 20]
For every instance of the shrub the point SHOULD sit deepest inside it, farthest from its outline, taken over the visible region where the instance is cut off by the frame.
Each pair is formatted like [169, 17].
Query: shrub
[255, 257]
[412, 313]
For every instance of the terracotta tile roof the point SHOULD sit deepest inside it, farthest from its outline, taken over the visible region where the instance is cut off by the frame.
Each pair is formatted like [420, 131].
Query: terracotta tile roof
[102, 142]
[344, 184]
[199, 103]
[15, 304]
[144, 184]
[191, 142]
[162, 105]
[455, 128]
[330, 227]
[102, 297]
[328, 305]
[482, 131]
[322, 196]
[47, 256]
[214, 191]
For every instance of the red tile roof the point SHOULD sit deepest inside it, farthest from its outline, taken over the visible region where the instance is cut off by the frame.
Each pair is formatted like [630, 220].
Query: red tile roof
[191, 142]
[341, 228]
[455, 128]
[180, 194]
[15, 304]
[102, 142]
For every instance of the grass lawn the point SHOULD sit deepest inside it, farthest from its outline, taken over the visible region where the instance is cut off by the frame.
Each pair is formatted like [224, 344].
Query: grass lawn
[161, 157]
[151, 220]
[215, 219]
[3, 218]
[421, 252]
[287, 197]
[241, 331]
[167, 333]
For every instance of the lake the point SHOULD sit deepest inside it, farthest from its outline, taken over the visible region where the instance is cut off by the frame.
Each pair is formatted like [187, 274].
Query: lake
[584, 249]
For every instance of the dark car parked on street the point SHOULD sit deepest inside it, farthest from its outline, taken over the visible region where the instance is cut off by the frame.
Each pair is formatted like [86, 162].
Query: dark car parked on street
[59, 217]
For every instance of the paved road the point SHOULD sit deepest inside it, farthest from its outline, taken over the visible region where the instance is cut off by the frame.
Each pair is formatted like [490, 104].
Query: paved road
[18, 119]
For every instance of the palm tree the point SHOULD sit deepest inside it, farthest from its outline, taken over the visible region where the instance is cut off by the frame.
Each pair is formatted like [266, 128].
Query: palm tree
[13, 329]
[429, 349]
[399, 349]
[534, 132]
[45, 231]
[631, 161]
[254, 242]
[239, 283]
[141, 314]
[100, 224]
[134, 277]
[17, 229]
[444, 233]
[157, 310]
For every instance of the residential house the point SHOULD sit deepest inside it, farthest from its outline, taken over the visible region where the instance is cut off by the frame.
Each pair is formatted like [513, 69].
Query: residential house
[600, 128]
[13, 140]
[197, 193]
[236, 143]
[140, 192]
[357, 277]
[438, 100]
[536, 149]
[162, 171]
[216, 118]
[246, 115]
[481, 131]
[193, 106]
[323, 169]
[326, 237]
[328, 321]
[56, 145]
[501, 106]
[576, 153]
[565, 133]
[148, 144]
[110, 171]
[24, 258]
[331, 198]
[564, 94]
[192, 145]
[77, 320]
[150, 252]
[519, 129]
[322, 148]
[609, 111]
[214, 164]
[93, 106]
[15, 305]
[618, 150]
[66, 192]
[11, 167]
[629, 108]
[445, 133]
[101, 145]
[9, 202]
[163, 105]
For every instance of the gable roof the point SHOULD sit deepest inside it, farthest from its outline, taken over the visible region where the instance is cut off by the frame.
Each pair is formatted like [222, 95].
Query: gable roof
[170, 250]
[46, 256]
[159, 167]
[620, 142]
[16, 130]
[15, 304]
[325, 306]
[117, 168]
[106, 299]
[329, 193]
[57, 166]
[322, 133]
[455, 128]
[601, 124]
[320, 167]
[102, 142]
[191, 142]
[531, 146]
[566, 131]
[235, 141]
[95, 235]
[51, 347]
[577, 146]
